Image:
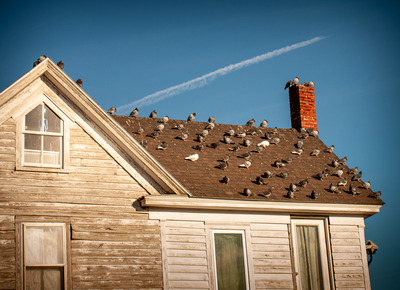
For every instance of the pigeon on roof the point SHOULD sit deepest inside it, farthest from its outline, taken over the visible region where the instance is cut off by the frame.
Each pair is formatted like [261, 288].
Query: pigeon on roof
[247, 192]
[266, 193]
[112, 110]
[60, 64]
[198, 147]
[357, 176]
[250, 123]
[303, 183]
[339, 172]
[183, 136]
[268, 174]
[366, 184]
[295, 81]
[192, 157]
[315, 152]
[210, 126]
[226, 179]
[162, 146]
[79, 82]
[246, 164]
[264, 124]
[153, 114]
[222, 165]
[39, 60]
[191, 117]
[211, 119]
[165, 119]
[314, 194]
[134, 113]
[179, 126]
[342, 182]
[330, 149]
[353, 170]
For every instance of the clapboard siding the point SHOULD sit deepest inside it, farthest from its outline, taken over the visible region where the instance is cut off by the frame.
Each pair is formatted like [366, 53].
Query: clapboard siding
[347, 259]
[7, 252]
[7, 145]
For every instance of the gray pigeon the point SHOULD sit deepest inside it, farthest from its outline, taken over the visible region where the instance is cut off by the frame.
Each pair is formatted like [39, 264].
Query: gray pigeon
[250, 123]
[293, 187]
[140, 131]
[134, 113]
[339, 172]
[283, 174]
[353, 170]
[235, 148]
[165, 119]
[246, 164]
[268, 174]
[260, 180]
[191, 117]
[315, 194]
[295, 81]
[303, 183]
[230, 132]
[153, 114]
[112, 110]
[160, 127]
[357, 176]
[246, 155]
[275, 141]
[162, 146]
[299, 144]
[247, 142]
[330, 149]
[264, 124]
[279, 164]
[240, 134]
[335, 163]
[297, 151]
[179, 126]
[226, 157]
[315, 152]
[211, 119]
[290, 194]
[223, 165]
[353, 190]
[333, 188]
[267, 193]
[210, 126]
[342, 182]
[227, 139]
[343, 160]
[367, 184]
[200, 138]
[309, 84]
[183, 136]
[376, 194]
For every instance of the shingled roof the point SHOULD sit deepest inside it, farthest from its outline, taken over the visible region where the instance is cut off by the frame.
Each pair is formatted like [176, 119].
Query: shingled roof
[203, 179]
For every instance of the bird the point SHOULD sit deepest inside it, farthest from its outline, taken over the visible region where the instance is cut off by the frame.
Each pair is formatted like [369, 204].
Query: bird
[211, 119]
[165, 119]
[322, 174]
[200, 139]
[309, 84]
[267, 136]
[153, 114]
[263, 143]
[366, 185]
[191, 117]
[143, 143]
[192, 157]
[283, 174]
[247, 142]
[160, 127]
[267, 193]
[377, 194]
[288, 160]
[247, 192]
[260, 180]
[339, 172]
[315, 152]
[335, 163]
[213, 145]
[275, 141]
[140, 131]
[290, 194]
[134, 113]
[183, 136]
[246, 155]
[342, 182]
[179, 126]
[246, 164]
[235, 148]
[230, 132]
[303, 183]
[264, 124]
[198, 147]
[295, 81]
[226, 179]
[154, 134]
[226, 157]
[353, 170]
[112, 110]
[250, 123]
[60, 64]
[268, 174]
[353, 190]
[333, 188]
[210, 126]
[227, 139]
[222, 165]
[315, 194]
[299, 144]
[79, 82]
[357, 176]
[39, 60]
[162, 146]
[297, 151]
[274, 131]
[293, 187]
[252, 131]
[313, 133]
[330, 149]
[279, 163]
[204, 133]
[343, 160]
[240, 134]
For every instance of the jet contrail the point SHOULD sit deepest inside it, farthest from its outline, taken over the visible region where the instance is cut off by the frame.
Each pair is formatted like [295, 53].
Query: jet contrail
[205, 79]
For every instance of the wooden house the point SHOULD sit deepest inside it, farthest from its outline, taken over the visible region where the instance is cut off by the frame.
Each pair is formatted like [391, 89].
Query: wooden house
[90, 200]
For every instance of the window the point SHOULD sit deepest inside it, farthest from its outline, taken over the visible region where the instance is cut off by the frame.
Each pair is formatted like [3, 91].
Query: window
[230, 260]
[42, 138]
[44, 255]
[309, 247]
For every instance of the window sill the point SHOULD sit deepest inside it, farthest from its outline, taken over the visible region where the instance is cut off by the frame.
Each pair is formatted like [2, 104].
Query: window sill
[41, 169]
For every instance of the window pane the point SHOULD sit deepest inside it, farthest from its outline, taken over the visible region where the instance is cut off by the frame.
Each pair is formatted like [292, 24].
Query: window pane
[229, 256]
[43, 278]
[52, 150]
[32, 150]
[43, 245]
[33, 119]
[51, 121]
[309, 257]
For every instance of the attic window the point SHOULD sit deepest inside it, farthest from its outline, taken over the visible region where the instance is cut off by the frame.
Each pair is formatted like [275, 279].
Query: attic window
[43, 138]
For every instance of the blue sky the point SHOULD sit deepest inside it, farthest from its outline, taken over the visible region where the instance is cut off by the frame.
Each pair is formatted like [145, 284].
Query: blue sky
[125, 50]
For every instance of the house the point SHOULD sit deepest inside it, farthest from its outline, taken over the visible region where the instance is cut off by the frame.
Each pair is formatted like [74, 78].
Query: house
[92, 200]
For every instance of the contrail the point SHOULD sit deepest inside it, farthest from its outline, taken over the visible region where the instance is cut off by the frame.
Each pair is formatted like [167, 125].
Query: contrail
[205, 79]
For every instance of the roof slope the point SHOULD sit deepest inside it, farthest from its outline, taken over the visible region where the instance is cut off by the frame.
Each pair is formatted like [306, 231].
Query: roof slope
[203, 178]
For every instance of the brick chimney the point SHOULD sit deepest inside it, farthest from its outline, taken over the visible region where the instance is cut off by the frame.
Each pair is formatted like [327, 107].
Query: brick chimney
[302, 107]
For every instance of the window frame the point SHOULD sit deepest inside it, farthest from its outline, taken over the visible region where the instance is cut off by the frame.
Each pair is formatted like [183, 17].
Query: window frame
[65, 252]
[245, 254]
[323, 247]
[20, 139]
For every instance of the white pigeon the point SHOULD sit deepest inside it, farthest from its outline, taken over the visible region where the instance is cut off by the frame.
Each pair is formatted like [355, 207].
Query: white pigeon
[246, 164]
[264, 143]
[192, 157]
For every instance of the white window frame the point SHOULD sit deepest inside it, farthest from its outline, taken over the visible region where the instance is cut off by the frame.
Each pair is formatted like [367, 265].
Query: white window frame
[320, 223]
[64, 249]
[245, 256]
[20, 138]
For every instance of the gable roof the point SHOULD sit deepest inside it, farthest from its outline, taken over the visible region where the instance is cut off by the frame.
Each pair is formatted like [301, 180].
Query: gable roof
[203, 179]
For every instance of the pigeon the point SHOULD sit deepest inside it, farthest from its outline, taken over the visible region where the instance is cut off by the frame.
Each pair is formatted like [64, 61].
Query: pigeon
[330, 149]
[275, 141]
[309, 84]
[353, 170]
[342, 182]
[377, 194]
[183, 136]
[246, 155]
[366, 185]
[260, 180]
[313, 133]
[230, 132]
[153, 114]
[283, 174]
[210, 126]
[357, 176]
[213, 145]
[297, 151]
[295, 81]
[222, 165]
[288, 160]
[339, 172]
[274, 131]
[39, 60]
[264, 143]
[134, 113]
[162, 146]
[333, 188]
[264, 124]
[240, 134]
[179, 126]
[290, 194]
[299, 144]
[343, 160]
[200, 139]
[165, 119]
[226, 157]
[191, 117]
[314, 194]
[140, 131]
[192, 157]
[79, 82]
[251, 132]
[204, 133]
[246, 164]
[259, 148]
[154, 134]
[247, 192]
[160, 127]
[303, 183]
[335, 163]
[112, 110]
[267, 136]
[322, 174]
[247, 142]
[353, 190]
[198, 147]
[226, 179]
[143, 143]
[250, 123]
[267, 193]
[304, 135]
[60, 64]
[235, 148]
[315, 152]
[227, 139]
[293, 187]
[211, 119]
[279, 164]
[268, 174]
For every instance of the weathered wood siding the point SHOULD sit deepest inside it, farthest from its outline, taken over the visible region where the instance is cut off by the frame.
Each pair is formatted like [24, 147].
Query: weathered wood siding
[112, 245]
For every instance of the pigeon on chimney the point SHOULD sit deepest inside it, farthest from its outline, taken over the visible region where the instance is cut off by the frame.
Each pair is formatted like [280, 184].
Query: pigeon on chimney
[112, 110]
[309, 84]
[295, 81]
[134, 113]
[191, 117]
